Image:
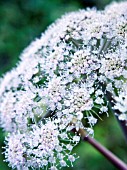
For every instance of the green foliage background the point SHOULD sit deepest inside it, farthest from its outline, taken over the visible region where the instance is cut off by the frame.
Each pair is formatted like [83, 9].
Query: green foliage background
[21, 21]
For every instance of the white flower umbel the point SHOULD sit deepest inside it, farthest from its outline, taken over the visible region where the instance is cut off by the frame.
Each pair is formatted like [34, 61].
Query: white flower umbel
[113, 64]
[15, 151]
[74, 50]
[55, 92]
[44, 146]
[83, 63]
[120, 103]
[64, 75]
[18, 109]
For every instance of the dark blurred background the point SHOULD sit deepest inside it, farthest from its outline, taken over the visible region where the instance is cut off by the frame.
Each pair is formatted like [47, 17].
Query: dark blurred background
[21, 21]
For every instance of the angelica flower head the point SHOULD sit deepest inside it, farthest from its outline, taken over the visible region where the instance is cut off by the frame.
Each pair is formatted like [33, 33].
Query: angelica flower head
[121, 103]
[64, 75]
[42, 147]
[64, 69]
[74, 53]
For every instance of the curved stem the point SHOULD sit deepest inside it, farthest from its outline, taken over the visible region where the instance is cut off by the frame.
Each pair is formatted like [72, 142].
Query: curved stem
[108, 154]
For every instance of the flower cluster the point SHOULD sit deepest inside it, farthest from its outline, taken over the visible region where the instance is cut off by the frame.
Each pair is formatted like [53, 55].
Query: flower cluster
[42, 147]
[121, 103]
[64, 75]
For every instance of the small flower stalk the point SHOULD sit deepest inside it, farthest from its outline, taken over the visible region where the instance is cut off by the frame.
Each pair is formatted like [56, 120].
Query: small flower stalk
[60, 84]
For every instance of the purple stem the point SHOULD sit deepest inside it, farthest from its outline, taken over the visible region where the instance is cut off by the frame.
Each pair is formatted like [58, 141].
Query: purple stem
[108, 154]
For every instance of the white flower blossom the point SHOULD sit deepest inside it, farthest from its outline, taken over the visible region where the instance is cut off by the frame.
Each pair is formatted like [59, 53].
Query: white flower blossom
[42, 147]
[121, 103]
[15, 151]
[64, 75]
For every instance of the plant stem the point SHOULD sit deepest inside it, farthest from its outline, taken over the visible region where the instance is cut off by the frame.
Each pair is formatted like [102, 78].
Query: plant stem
[108, 154]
